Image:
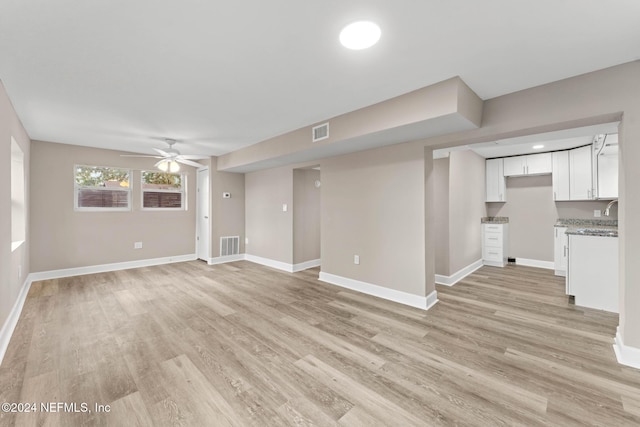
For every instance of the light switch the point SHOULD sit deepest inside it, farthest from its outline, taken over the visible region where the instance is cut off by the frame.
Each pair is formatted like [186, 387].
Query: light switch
[597, 213]
[356, 259]
[284, 207]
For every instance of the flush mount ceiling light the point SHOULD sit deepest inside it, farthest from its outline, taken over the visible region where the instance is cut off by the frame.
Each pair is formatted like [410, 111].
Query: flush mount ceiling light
[538, 147]
[360, 35]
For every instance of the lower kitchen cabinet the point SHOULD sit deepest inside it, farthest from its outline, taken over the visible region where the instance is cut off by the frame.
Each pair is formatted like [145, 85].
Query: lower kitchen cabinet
[560, 251]
[495, 246]
[592, 275]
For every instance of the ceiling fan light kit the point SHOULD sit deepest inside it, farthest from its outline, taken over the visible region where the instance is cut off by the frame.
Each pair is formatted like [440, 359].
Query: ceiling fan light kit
[171, 158]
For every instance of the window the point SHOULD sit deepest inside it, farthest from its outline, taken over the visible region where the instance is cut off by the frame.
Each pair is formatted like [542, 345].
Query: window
[18, 215]
[163, 190]
[100, 188]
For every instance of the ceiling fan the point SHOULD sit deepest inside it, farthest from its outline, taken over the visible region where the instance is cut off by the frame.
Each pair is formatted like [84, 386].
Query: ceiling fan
[170, 157]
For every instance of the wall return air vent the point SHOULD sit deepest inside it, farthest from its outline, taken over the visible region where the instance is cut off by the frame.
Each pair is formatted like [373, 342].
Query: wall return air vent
[320, 132]
[229, 245]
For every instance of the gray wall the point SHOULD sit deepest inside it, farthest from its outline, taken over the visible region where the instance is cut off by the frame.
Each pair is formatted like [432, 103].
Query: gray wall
[466, 207]
[532, 214]
[373, 206]
[227, 215]
[268, 228]
[441, 215]
[306, 215]
[14, 265]
[459, 205]
[63, 238]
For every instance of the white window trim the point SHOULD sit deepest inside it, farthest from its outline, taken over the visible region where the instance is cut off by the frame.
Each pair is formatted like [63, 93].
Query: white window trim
[76, 188]
[183, 191]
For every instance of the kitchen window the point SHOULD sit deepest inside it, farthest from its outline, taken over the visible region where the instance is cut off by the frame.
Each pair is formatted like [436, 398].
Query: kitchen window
[163, 191]
[102, 188]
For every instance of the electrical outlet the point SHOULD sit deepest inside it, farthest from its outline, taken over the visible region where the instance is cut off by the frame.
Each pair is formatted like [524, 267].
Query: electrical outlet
[597, 213]
[356, 259]
[137, 245]
[246, 240]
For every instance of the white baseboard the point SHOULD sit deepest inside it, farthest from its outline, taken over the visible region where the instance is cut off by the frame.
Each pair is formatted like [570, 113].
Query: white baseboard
[549, 265]
[405, 298]
[10, 324]
[626, 355]
[79, 271]
[225, 259]
[279, 265]
[459, 275]
[306, 265]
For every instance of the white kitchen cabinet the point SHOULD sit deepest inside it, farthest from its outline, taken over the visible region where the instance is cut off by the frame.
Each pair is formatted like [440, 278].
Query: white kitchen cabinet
[580, 174]
[531, 164]
[560, 248]
[560, 175]
[495, 186]
[495, 244]
[605, 167]
[592, 275]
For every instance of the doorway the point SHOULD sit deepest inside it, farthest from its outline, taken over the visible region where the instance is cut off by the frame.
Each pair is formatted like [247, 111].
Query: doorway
[203, 235]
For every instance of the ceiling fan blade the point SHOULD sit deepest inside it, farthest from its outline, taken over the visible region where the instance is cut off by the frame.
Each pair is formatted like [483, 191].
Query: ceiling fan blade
[189, 162]
[161, 152]
[192, 157]
[139, 155]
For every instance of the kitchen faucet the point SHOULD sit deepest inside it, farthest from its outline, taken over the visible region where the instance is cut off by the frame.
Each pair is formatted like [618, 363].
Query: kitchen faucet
[606, 211]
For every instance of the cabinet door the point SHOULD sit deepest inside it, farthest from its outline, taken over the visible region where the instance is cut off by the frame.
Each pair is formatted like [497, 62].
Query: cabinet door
[560, 175]
[606, 164]
[538, 164]
[495, 181]
[580, 181]
[560, 251]
[514, 166]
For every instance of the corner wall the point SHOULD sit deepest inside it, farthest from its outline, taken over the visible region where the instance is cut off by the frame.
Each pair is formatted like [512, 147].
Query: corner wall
[14, 265]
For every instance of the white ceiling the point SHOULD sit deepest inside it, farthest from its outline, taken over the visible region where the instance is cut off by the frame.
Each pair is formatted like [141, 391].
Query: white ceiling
[222, 75]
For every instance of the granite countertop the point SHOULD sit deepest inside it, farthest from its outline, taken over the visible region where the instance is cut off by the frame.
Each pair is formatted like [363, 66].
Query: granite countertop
[495, 220]
[590, 227]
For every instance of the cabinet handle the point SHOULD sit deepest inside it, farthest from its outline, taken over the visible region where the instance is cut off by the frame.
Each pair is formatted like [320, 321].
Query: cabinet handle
[554, 196]
[565, 251]
[589, 194]
[556, 232]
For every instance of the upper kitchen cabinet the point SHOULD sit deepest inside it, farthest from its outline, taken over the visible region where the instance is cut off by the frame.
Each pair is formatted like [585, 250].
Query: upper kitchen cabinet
[580, 179]
[560, 175]
[531, 164]
[495, 181]
[605, 166]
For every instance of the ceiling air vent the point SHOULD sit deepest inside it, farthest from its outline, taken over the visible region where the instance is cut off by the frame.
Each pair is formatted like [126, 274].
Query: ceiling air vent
[320, 132]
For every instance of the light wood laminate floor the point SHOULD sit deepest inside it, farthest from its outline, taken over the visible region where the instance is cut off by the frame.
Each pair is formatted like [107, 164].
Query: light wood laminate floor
[241, 344]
